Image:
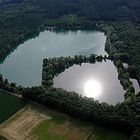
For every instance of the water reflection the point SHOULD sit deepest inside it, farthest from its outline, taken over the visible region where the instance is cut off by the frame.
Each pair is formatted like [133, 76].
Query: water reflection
[92, 88]
[24, 65]
[136, 85]
[93, 80]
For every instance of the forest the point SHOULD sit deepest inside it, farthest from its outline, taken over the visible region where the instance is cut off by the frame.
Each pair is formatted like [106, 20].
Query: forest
[89, 9]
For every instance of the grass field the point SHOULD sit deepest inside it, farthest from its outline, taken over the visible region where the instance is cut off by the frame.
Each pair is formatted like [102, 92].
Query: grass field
[61, 128]
[65, 128]
[67, 19]
[9, 105]
[35, 122]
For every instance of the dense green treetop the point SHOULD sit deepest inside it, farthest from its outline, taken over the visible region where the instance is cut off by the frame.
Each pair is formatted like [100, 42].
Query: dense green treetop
[90, 9]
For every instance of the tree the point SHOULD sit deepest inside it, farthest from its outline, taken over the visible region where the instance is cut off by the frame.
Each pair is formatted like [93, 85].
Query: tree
[6, 81]
[92, 58]
[1, 78]
[13, 85]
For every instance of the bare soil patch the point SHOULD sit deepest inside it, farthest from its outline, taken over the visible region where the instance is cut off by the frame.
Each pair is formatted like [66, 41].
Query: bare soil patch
[19, 126]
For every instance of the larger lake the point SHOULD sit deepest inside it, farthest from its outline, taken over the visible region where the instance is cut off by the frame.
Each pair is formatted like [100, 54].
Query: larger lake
[24, 65]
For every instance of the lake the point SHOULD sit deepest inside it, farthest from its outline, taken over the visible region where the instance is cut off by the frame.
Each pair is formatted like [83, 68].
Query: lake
[24, 65]
[99, 81]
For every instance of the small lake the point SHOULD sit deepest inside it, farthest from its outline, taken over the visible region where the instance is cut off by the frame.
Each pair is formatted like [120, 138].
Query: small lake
[24, 65]
[99, 80]
[136, 85]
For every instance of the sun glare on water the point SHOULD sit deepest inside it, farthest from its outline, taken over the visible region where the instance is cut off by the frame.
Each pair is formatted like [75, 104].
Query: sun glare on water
[92, 88]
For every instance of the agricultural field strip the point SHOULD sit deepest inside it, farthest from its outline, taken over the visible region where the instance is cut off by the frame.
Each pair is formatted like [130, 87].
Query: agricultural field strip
[20, 125]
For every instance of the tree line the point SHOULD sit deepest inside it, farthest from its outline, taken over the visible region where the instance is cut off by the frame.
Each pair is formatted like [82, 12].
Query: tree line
[123, 40]
[11, 87]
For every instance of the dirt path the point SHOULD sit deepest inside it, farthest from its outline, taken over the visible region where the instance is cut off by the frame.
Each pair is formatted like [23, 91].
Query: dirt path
[20, 125]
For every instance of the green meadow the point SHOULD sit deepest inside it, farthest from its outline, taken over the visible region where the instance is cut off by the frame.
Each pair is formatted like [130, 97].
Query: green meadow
[9, 105]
